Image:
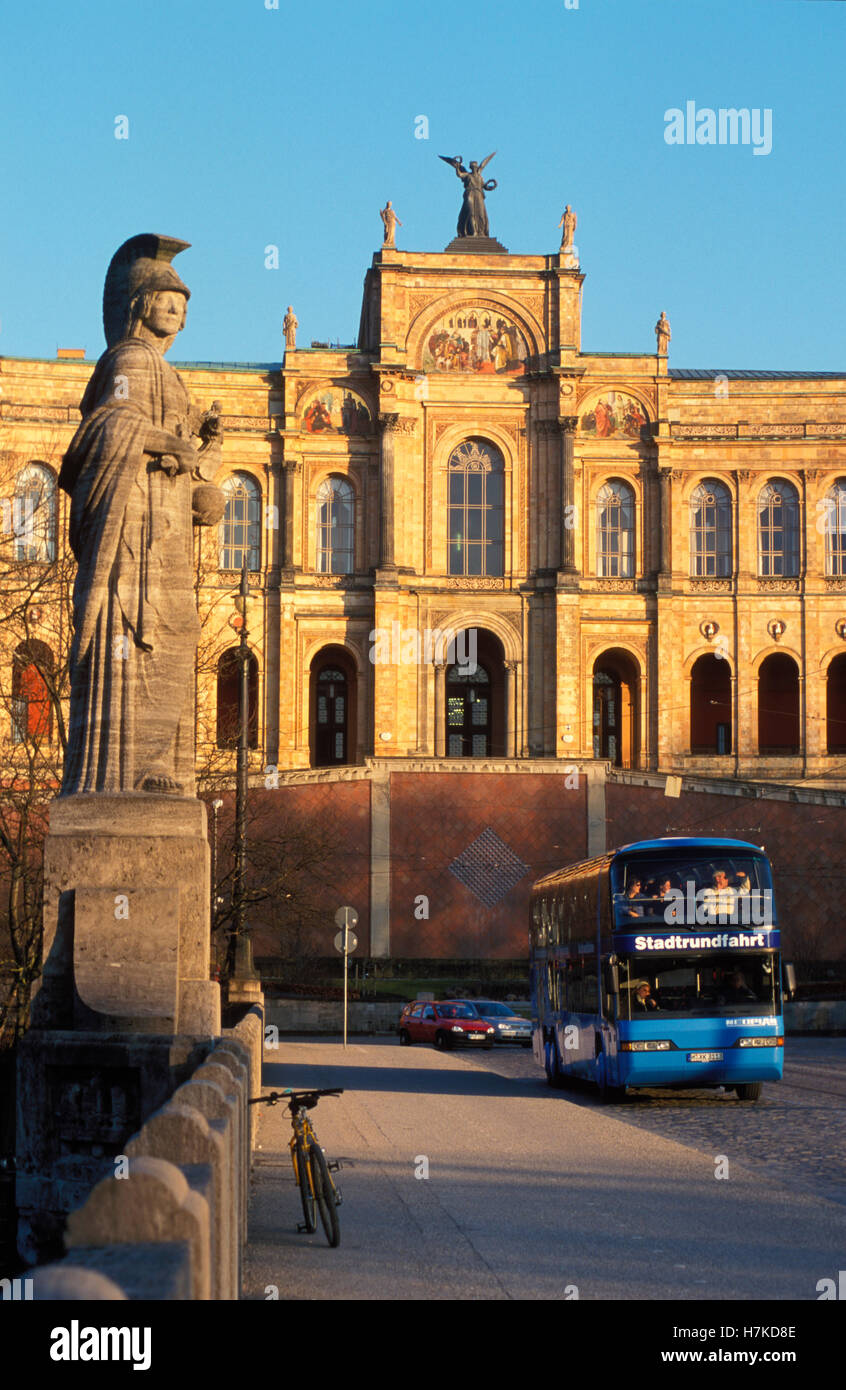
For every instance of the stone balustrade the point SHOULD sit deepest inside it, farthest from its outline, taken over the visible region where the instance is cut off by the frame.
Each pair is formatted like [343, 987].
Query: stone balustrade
[172, 1222]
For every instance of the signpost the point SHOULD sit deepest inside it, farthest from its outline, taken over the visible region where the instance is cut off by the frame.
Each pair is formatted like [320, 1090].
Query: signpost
[346, 941]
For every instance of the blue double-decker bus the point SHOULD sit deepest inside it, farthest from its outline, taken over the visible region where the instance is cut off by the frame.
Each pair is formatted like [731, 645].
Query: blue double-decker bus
[659, 965]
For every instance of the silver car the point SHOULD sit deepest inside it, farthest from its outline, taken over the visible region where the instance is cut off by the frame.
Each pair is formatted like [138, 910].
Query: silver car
[510, 1027]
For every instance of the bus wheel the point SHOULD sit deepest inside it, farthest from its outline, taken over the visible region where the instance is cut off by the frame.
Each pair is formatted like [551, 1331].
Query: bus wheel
[751, 1091]
[552, 1065]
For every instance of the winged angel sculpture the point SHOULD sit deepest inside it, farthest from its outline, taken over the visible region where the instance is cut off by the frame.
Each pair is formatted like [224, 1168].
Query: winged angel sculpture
[473, 218]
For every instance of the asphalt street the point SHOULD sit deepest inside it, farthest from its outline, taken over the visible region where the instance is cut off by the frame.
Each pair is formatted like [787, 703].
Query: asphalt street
[465, 1177]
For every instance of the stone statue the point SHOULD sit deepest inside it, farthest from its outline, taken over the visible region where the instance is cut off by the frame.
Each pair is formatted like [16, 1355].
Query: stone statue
[568, 222]
[391, 222]
[473, 217]
[138, 485]
[289, 328]
[663, 334]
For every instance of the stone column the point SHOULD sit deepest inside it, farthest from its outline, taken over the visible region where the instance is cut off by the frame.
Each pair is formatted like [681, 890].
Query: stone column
[389, 423]
[510, 709]
[292, 468]
[440, 709]
[664, 484]
[568, 424]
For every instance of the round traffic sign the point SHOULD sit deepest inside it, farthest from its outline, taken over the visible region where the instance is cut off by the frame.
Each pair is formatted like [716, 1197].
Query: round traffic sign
[352, 941]
[346, 917]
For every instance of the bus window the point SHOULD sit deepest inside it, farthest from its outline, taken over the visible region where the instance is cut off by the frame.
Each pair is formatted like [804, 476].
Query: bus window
[717, 984]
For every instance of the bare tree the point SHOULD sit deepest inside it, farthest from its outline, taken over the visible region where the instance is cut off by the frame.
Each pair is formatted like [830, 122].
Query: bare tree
[36, 579]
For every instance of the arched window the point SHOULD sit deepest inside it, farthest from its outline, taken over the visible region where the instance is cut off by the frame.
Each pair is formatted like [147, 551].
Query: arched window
[835, 711]
[332, 717]
[778, 529]
[468, 698]
[335, 527]
[616, 701]
[835, 528]
[615, 511]
[778, 705]
[229, 700]
[476, 496]
[240, 529]
[710, 530]
[710, 705]
[32, 708]
[34, 514]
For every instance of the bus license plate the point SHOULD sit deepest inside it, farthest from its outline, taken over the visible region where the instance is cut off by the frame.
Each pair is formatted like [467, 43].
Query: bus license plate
[705, 1056]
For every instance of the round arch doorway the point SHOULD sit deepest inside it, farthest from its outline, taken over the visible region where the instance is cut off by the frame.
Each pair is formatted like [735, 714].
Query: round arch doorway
[616, 709]
[475, 698]
[332, 702]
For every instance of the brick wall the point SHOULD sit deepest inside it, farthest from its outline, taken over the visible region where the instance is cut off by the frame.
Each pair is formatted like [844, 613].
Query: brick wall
[331, 821]
[438, 817]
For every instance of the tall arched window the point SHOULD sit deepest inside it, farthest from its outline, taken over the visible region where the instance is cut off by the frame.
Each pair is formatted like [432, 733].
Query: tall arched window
[229, 700]
[615, 537]
[710, 530]
[835, 528]
[240, 529]
[778, 529]
[476, 498]
[332, 717]
[32, 708]
[778, 705]
[710, 705]
[335, 527]
[34, 514]
[468, 698]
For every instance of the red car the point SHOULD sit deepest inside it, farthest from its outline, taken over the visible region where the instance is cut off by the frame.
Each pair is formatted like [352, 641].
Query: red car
[446, 1025]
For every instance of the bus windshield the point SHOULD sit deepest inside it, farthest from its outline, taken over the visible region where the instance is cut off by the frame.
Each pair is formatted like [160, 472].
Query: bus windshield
[686, 889]
[717, 984]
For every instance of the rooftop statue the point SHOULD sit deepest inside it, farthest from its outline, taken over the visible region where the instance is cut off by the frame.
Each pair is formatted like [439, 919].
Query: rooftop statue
[663, 334]
[473, 217]
[138, 471]
[390, 222]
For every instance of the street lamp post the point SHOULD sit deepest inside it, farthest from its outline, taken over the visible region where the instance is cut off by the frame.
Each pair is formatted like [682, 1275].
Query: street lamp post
[241, 972]
[217, 805]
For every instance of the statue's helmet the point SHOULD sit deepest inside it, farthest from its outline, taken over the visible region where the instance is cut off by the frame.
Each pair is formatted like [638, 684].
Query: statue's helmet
[141, 265]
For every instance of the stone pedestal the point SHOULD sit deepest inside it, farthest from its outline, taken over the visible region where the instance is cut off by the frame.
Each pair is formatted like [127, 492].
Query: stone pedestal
[126, 917]
[125, 1009]
[486, 245]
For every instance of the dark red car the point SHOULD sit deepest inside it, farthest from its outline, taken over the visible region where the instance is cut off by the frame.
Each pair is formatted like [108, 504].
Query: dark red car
[446, 1025]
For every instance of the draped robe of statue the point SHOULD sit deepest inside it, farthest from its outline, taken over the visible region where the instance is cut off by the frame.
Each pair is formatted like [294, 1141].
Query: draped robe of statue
[473, 217]
[135, 617]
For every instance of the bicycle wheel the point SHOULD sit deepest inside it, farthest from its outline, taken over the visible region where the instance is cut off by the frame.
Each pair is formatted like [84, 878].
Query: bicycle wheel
[324, 1191]
[306, 1194]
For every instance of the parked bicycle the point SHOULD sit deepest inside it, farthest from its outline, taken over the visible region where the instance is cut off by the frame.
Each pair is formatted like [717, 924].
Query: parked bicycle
[312, 1171]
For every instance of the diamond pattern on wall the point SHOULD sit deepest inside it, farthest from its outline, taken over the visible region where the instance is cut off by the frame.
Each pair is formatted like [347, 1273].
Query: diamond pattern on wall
[488, 868]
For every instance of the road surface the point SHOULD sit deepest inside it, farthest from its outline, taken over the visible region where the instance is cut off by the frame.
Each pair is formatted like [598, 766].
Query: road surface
[467, 1178]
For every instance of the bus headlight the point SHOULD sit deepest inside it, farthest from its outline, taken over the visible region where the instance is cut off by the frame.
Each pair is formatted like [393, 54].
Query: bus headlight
[760, 1042]
[649, 1045]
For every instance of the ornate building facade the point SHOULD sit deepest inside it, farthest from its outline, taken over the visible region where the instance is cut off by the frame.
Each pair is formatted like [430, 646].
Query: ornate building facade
[646, 565]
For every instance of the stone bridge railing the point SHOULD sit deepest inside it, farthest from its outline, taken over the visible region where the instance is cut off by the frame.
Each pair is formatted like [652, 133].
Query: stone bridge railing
[172, 1222]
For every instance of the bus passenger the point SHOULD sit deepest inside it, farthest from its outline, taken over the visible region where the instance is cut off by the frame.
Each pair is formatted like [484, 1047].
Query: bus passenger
[720, 899]
[633, 891]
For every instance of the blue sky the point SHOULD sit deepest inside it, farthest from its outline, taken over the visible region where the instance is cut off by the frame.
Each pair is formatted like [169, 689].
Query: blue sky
[251, 126]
